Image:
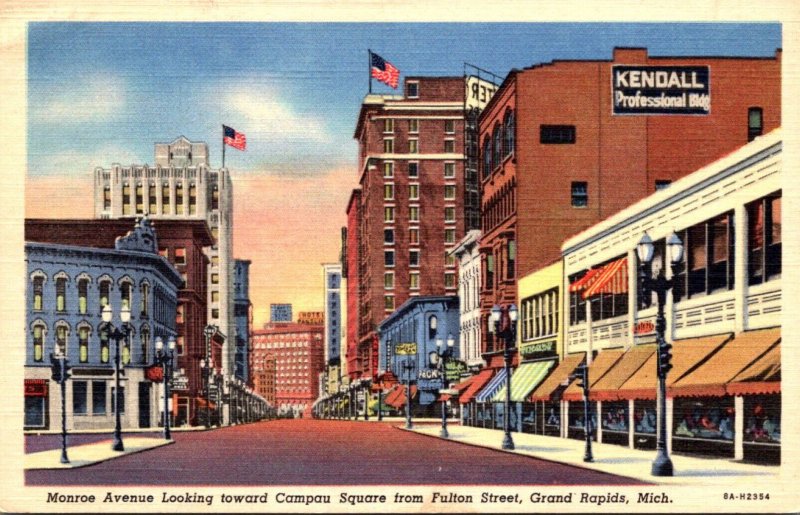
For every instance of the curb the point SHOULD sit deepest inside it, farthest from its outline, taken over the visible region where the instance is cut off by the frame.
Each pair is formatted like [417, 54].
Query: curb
[109, 458]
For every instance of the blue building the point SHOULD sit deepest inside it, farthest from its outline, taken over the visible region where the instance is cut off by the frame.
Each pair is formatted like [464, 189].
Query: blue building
[280, 313]
[67, 287]
[243, 318]
[409, 336]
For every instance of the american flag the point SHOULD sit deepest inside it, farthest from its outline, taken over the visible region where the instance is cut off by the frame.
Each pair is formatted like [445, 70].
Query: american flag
[233, 138]
[384, 71]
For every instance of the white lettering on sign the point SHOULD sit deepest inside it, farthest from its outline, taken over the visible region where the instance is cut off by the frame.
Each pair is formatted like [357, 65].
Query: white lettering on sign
[653, 90]
[658, 79]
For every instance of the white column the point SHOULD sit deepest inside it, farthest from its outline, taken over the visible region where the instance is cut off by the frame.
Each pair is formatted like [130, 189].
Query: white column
[738, 428]
[740, 268]
[669, 424]
[631, 424]
[589, 338]
[599, 422]
[564, 421]
[633, 297]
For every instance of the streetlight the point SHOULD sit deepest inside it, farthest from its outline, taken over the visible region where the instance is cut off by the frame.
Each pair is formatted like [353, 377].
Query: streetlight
[164, 358]
[118, 334]
[209, 332]
[505, 326]
[365, 388]
[662, 465]
[408, 367]
[60, 369]
[441, 355]
[380, 393]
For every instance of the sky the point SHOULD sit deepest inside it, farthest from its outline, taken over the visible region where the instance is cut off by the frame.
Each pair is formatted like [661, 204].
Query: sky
[103, 93]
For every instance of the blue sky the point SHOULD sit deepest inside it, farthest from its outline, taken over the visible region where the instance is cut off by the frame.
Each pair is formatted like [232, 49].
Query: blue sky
[105, 92]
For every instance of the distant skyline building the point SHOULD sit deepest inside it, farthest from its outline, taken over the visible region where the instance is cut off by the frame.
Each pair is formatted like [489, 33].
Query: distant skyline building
[243, 315]
[280, 313]
[180, 186]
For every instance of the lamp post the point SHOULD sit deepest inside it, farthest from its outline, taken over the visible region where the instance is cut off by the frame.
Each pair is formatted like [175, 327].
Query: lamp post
[118, 334]
[442, 354]
[380, 394]
[164, 358]
[505, 326]
[662, 465]
[408, 367]
[365, 388]
[582, 375]
[205, 364]
[60, 369]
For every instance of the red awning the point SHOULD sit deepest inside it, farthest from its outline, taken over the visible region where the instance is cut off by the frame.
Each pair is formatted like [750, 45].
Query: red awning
[613, 279]
[761, 377]
[585, 281]
[392, 394]
[597, 370]
[477, 384]
[201, 403]
[558, 377]
[460, 387]
[400, 400]
[607, 388]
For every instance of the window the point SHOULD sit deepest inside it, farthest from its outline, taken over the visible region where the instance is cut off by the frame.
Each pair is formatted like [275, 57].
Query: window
[104, 348]
[179, 314]
[98, 398]
[126, 199]
[165, 198]
[413, 213]
[388, 280]
[144, 342]
[139, 198]
[497, 146]
[449, 259]
[413, 280]
[388, 170]
[388, 125]
[61, 294]
[413, 191]
[215, 234]
[580, 194]
[662, 184]
[449, 235]
[449, 146]
[413, 257]
[450, 126]
[388, 192]
[388, 258]
[121, 398]
[449, 170]
[151, 198]
[83, 292]
[413, 146]
[144, 291]
[214, 313]
[755, 123]
[180, 256]
[106, 198]
[179, 199]
[512, 259]
[413, 126]
[489, 267]
[413, 235]
[214, 260]
[388, 302]
[413, 170]
[38, 292]
[487, 157]
[708, 259]
[192, 199]
[105, 289]
[125, 353]
[556, 134]
[449, 280]
[215, 197]
[764, 239]
[214, 278]
[83, 344]
[412, 89]
[388, 146]
[38, 342]
[449, 214]
[388, 214]
[35, 412]
[79, 396]
[179, 345]
[388, 236]
[215, 296]
[125, 293]
[450, 192]
[508, 139]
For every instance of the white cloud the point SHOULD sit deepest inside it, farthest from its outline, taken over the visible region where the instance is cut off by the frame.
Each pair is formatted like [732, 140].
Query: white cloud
[97, 100]
[73, 161]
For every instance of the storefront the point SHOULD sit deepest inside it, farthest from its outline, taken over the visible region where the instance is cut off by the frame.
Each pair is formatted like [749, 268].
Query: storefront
[524, 379]
[547, 396]
[574, 395]
[493, 412]
[472, 416]
[36, 399]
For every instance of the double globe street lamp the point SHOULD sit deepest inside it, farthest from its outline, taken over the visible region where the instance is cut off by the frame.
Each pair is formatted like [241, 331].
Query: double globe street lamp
[505, 326]
[662, 465]
[439, 360]
[118, 334]
[164, 358]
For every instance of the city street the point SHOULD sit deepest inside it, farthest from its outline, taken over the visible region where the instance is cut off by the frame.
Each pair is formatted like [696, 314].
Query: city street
[314, 452]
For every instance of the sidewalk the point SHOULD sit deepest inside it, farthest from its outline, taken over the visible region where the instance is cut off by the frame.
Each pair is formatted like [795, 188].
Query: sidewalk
[89, 454]
[613, 459]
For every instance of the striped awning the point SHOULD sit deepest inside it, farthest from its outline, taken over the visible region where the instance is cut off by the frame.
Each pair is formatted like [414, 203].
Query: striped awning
[490, 389]
[612, 279]
[585, 281]
[523, 380]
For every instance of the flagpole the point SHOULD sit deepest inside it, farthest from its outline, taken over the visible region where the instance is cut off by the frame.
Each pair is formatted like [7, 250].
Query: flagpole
[223, 146]
[369, 69]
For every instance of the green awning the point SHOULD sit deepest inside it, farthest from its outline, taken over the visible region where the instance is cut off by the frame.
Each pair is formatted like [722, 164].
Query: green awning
[525, 378]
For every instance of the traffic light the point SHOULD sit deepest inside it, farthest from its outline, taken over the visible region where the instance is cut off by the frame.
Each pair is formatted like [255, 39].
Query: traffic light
[582, 376]
[66, 369]
[664, 358]
[56, 368]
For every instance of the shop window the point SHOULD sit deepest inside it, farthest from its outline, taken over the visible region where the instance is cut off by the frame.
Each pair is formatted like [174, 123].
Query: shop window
[576, 420]
[762, 419]
[38, 342]
[79, 397]
[98, 397]
[644, 418]
[61, 294]
[556, 134]
[580, 194]
[38, 292]
[614, 418]
[35, 411]
[703, 418]
[83, 344]
[121, 398]
[764, 239]
[755, 123]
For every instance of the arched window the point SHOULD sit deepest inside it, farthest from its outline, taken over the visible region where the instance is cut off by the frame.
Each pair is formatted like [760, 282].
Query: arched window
[104, 286]
[83, 293]
[126, 292]
[497, 154]
[144, 340]
[104, 348]
[39, 330]
[508, 143]
[487, 157]
[125, 351]
[38, 278]
[144, 290]
[61, 292]
[83, 343]
[62, 331]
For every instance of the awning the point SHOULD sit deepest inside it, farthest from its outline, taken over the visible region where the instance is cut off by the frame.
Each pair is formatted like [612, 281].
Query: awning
[400, 400]
[597, 370]
[201, 403]
[524, 379]
[585, 281]
[686, 354]
[711, 378]
[460, 387]
[491, 388]
[607, 387]
[478, 382]
[392, 395]
[559, 377]
[762, 376]
[613, 279]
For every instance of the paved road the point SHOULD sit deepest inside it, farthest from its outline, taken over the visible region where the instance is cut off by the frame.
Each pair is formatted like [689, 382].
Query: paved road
[317, 452]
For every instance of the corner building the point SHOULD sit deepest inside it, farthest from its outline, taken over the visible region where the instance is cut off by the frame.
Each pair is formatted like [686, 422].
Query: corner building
[567, 144]
[408, 211]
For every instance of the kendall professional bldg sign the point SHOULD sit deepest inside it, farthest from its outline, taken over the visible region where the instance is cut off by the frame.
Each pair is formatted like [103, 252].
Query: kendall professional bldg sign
[660, 90]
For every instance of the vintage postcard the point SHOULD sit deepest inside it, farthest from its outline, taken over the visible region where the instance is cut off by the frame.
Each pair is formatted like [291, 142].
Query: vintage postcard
[469, 257]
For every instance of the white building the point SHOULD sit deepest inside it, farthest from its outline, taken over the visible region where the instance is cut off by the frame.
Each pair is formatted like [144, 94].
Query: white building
[181, 185]
[468, 257]
[723, 314]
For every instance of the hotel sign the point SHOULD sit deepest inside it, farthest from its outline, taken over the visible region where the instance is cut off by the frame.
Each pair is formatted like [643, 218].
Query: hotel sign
[646, 90]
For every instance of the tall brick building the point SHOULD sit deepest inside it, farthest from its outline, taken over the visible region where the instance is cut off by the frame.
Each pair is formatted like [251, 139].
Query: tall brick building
[569, 143]
[408, 210]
